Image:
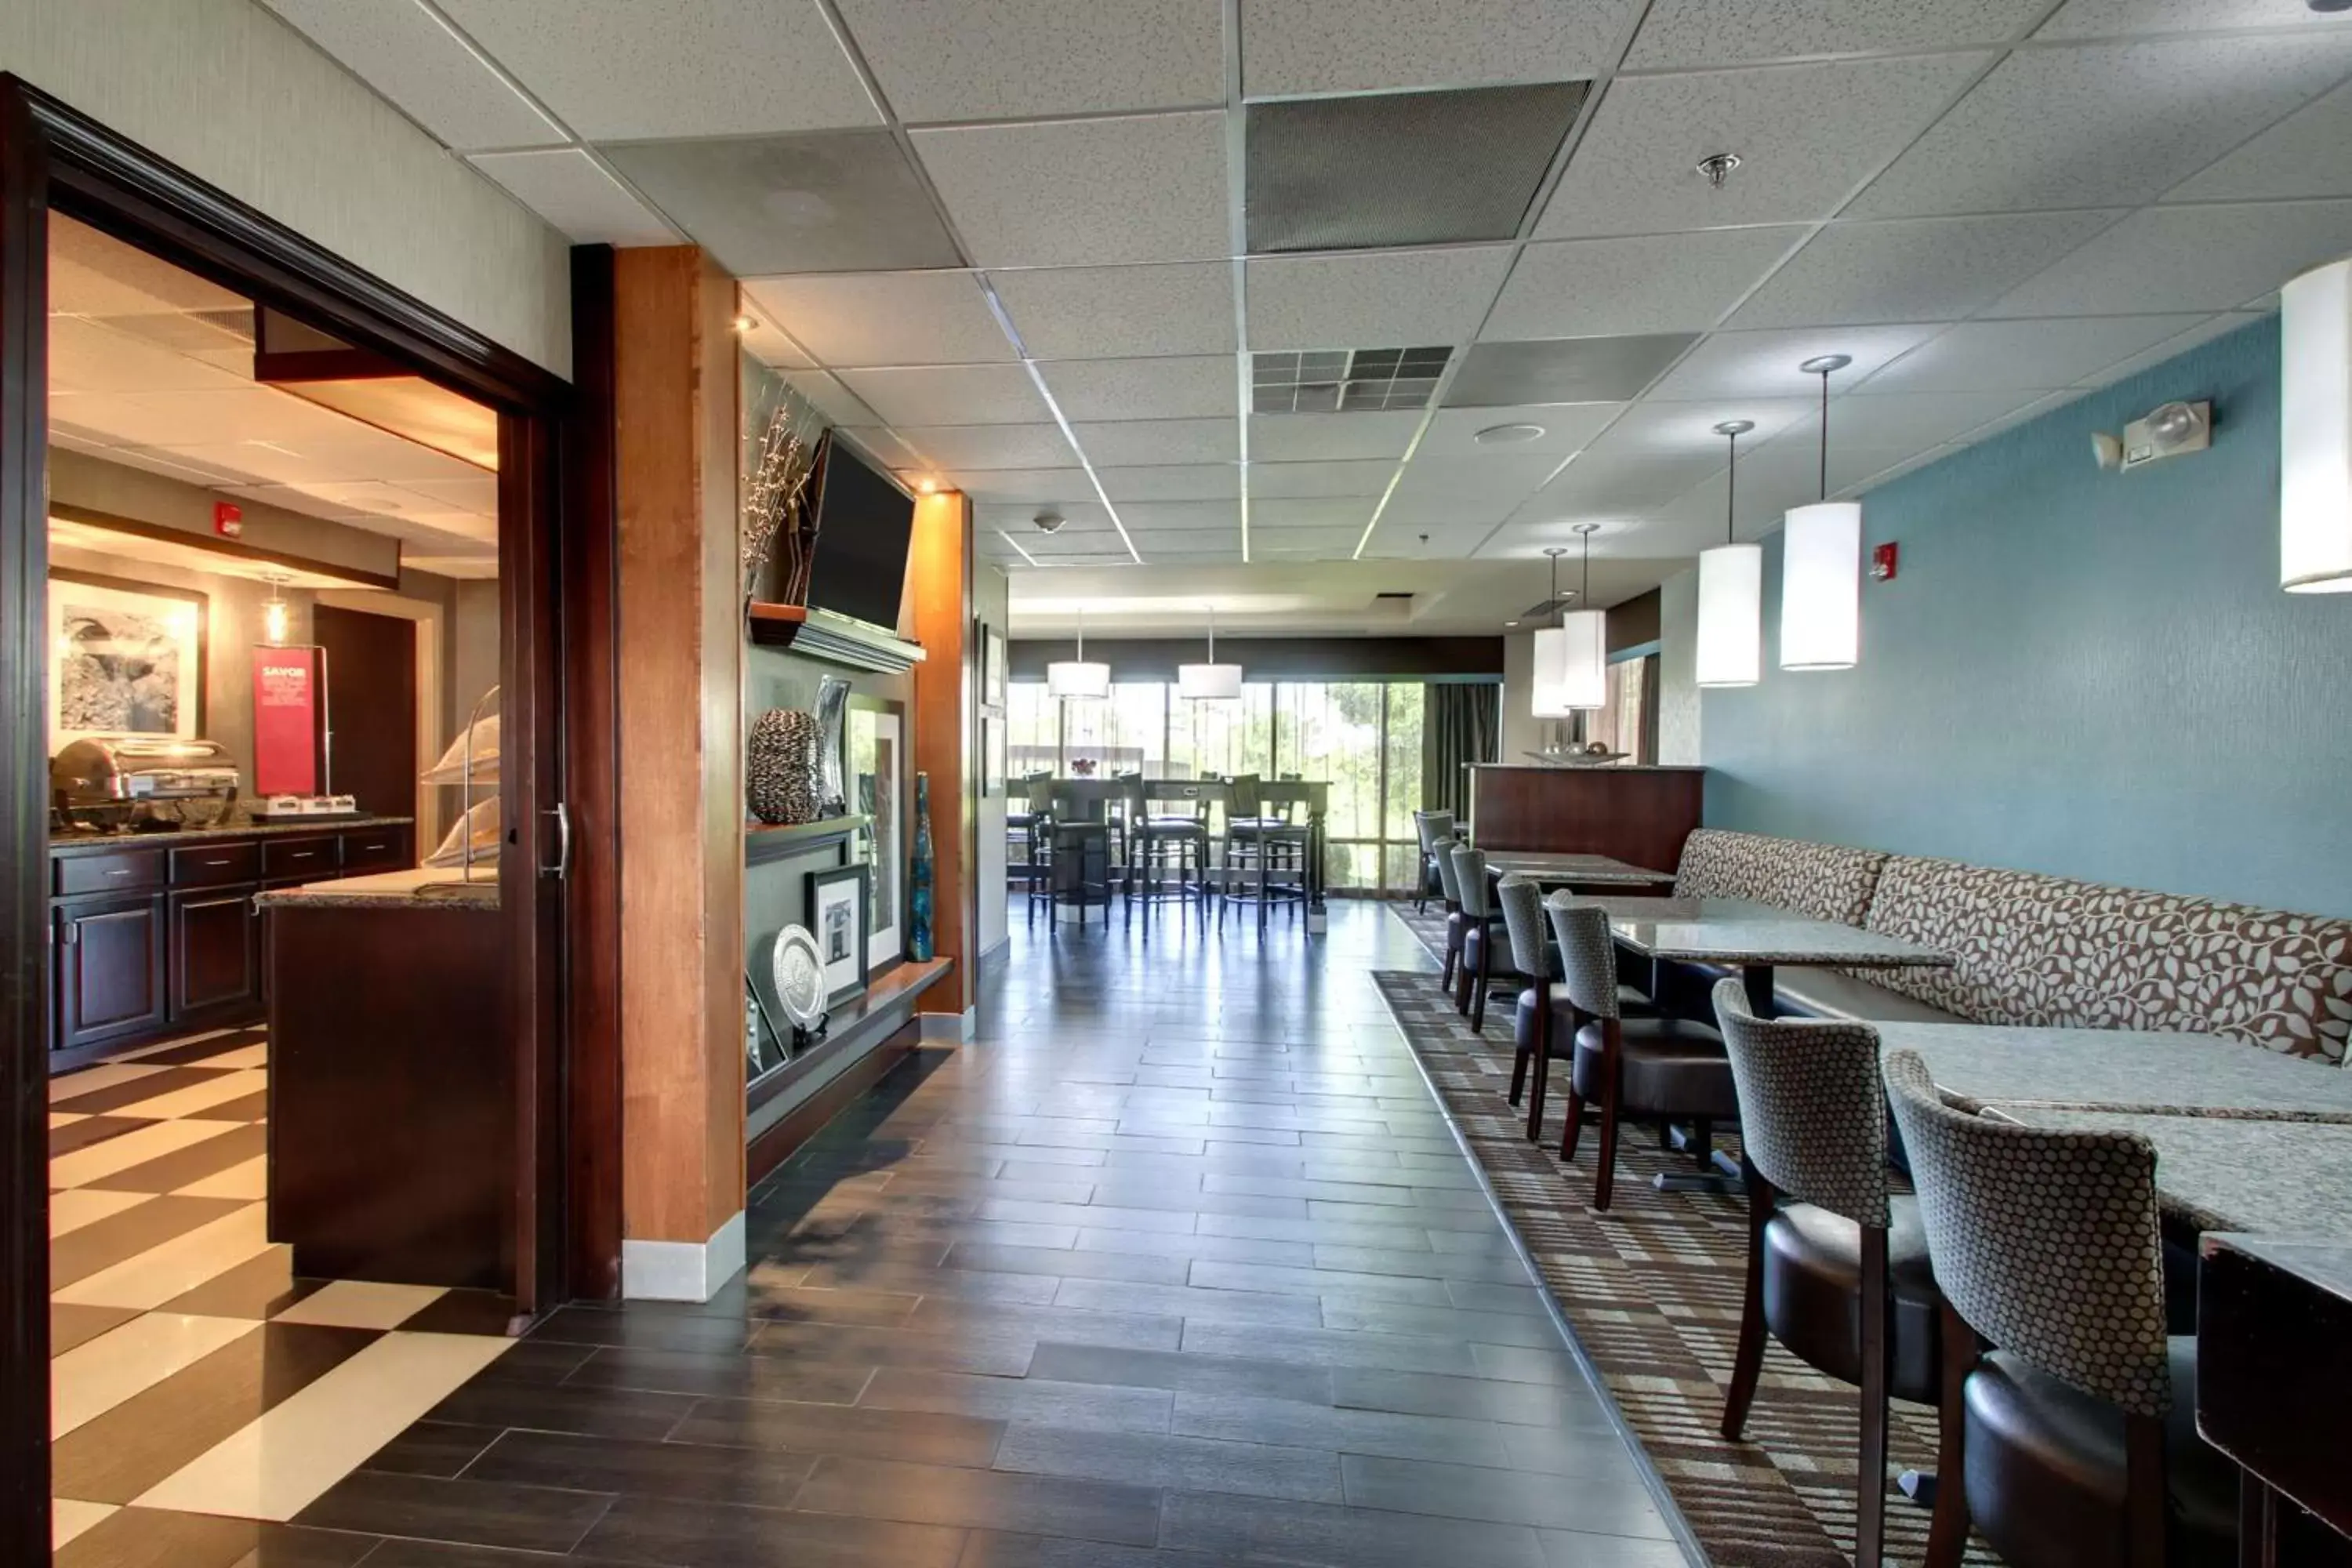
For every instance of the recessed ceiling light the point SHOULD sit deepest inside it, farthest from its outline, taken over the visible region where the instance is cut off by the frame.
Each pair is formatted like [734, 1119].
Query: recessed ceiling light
[745, 323]
[927, 487]
[1507, 435]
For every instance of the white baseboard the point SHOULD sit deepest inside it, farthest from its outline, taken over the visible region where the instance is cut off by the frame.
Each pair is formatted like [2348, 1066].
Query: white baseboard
[960, 1026]
[682, 1270]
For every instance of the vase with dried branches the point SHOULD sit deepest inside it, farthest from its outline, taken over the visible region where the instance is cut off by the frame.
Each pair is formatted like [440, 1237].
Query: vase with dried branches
[777, 504]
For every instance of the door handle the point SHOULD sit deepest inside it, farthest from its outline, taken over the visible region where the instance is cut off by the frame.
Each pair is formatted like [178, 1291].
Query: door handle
[561, 812]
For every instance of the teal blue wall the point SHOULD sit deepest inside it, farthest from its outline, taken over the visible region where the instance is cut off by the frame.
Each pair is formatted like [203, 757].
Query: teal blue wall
[2076, 672]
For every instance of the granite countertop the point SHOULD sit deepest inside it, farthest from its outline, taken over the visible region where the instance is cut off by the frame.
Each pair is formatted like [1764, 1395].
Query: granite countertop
[2232, 1174]
[2325, 1262]
[72, 843]
[1740, 931]
[423, 887]
[2124, 1070]
[1544, 867]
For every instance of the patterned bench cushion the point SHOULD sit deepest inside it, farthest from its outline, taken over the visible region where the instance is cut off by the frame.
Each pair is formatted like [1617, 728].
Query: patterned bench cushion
[1827, 881]
[2051, 952]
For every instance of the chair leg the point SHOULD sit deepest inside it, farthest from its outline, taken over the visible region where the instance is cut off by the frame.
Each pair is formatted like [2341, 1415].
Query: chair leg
[1605, 1180]
[1541, 1052]
[1478, 990]
[1747, 1365]
[1461, 981]
[1870, 1475]
[2144, 1498]
[1947, 1532]
[1445, 970]
[1533, 1046]
[1574, 1132]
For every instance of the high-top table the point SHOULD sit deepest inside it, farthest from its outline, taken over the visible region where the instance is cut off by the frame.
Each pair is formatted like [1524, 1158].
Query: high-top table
[1090, 799]
[1571, 870]
[1739, 934]
[2122, 1070]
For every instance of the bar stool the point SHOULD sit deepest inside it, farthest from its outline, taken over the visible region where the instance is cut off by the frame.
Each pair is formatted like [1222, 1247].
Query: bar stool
[2076, 1440]
[1081, 866]
[1152, 841]
[1019, 839]
[1837, 1261]
[1037, 824]
[1265, 850]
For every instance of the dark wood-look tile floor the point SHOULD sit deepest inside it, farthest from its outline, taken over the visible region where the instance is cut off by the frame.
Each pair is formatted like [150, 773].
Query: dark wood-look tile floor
[1177, 1265]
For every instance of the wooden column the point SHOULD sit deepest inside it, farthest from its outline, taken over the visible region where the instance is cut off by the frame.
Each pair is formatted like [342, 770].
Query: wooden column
[938, 584]
[682, 810]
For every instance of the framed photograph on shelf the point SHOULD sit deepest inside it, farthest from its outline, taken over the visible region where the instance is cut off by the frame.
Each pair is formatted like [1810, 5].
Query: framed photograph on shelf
[129, 657]
[991, 667]
[875, 748]
[836, 916]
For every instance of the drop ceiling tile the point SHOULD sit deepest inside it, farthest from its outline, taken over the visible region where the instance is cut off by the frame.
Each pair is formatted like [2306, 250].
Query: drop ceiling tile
[1163, 517]
[1807, 135]
[1311, 512]
[881, 444]
[1727, 32]
[2109, 19]
[1355, 45]
[1997, 356]
[1191, 481]
[1764, 364]
[1120, 312]
[1562, 370]
[1652, 427]
[2106, 123]
[1446, 516]
[950, 395]
[642, 69]
[1567, 427]
[1032, 488]
[1628, 481]
[1084, 191]
[227, 415]
[1502, 475]
[1303, 544]
[1173, 387]
[1222, 543]
[2301, 155]
[410, 56]
[2186, 258]
[1139, 443]
[885, 319]
[1914, 269]
[567, 189]
[1907, 421]
[772, 345]
[1018, 59]
[1665, 283]
[1324, 438]
[823, 201]
[2204, 333]
[89, 356]
[1020, 520]
[1298, 479]
[833, 400]
[965, 446]
[1387, 299]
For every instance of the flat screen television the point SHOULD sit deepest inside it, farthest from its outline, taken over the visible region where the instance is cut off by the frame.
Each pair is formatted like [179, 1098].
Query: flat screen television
[864, 524]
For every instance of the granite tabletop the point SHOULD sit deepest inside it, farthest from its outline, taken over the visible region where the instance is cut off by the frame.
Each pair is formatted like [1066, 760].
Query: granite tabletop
[1741, 932]
[2325, 1261]
[422, 886]
[2123, 1070]
[2231, 1174]
[1549, 868]
[74, 842]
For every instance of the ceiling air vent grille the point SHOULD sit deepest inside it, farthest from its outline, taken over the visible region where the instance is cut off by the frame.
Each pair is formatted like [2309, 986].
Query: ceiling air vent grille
[1345, 381]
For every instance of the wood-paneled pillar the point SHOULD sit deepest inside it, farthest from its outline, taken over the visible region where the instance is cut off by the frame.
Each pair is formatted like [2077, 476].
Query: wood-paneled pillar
[681, 806]
[946, 691]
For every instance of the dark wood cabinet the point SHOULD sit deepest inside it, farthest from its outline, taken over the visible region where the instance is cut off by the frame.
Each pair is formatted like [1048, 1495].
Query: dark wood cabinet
[214, 961]
[108, 968]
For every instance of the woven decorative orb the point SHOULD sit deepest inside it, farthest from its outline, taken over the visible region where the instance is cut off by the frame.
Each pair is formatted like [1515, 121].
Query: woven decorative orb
[782, 780]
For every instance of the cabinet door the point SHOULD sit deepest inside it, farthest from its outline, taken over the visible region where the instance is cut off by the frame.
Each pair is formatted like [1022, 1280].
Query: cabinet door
[216, 956]
[110, 969]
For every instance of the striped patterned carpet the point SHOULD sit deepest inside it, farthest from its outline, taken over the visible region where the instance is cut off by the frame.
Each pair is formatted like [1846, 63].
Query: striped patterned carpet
[1653, 1289]
[196, 1386]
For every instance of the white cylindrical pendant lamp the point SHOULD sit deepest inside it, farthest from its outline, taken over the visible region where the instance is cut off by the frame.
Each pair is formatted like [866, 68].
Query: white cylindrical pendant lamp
[1571, 666]
[2316, 431]
[1208, 683]
[1731, 615]
[1078, 677]
[1821, 586]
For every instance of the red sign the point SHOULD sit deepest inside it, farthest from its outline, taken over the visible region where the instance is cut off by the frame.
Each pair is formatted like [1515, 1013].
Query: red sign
[228, 520]
[285, 720]
[1882, 563]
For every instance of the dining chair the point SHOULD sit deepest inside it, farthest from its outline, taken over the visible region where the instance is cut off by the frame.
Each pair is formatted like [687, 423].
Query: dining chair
[1482, 932]
[1543, 1020]
[1153, 841]
[1837, 1263]
[1644, 1069]
[2077, 1437]
[1433, 828]
[1457, 922]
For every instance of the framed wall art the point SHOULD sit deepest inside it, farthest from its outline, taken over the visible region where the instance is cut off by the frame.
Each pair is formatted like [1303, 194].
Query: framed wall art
[129, 658]
[875, 747]
[993, 674]
[836, 911]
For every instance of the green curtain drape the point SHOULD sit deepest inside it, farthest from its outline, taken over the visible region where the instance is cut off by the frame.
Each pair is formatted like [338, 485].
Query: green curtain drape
[1461, 722]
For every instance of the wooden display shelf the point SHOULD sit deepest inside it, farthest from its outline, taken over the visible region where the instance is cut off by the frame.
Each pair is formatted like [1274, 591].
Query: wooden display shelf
[866, 1038]
[836, 639]
[763, 842]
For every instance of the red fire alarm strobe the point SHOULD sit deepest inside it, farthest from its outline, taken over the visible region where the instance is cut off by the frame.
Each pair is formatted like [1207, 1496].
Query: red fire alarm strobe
[1882, 563]
[228, 520]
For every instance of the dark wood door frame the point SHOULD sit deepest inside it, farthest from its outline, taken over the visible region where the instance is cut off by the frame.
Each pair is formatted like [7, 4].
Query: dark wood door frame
[53, 158]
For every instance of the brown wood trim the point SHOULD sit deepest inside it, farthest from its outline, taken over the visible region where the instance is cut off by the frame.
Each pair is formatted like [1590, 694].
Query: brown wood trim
[944, 719]
[763, 842]
[227, 549]
[1277, 658]
[773, 1147]
[591, 654]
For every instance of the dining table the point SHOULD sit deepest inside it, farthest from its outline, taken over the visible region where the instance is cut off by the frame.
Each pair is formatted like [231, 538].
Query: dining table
[2122, 1071]
[2232, 1173]
[1558, 870]
[1752, 938]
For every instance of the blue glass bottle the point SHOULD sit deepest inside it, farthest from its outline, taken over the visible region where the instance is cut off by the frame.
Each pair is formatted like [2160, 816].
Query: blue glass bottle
[919, 893]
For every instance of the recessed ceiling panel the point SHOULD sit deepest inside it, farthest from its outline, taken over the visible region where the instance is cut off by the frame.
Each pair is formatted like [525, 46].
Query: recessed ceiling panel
[1561, 428]
[1133, 443]
[1396, 169]
[1173, 387]
[1355, 478]
[2186, 258]
[1370, 46]
[1417, 297]
[409, 54]
[1916, 269]
[1122, 312]
[1165, 517]
[1996, 356]
[1563, 370]
[1305, 544]
[841, 201]
[1765, 364]
[1027, 487]
[1683, 33]
[1083, 192]
[571, 191]
[2107, 18]
[1327, 437]
[1010, 59]
[1187, 481]
[950, 395]
[1661, 283]
[884, 317]
[962, 446]
[2300, 157]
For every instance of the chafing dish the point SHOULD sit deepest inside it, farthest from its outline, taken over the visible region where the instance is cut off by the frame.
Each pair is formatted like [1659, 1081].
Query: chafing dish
[117, 782]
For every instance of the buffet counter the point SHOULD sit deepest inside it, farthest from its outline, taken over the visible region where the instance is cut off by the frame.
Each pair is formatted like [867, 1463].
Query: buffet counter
[1638, 814]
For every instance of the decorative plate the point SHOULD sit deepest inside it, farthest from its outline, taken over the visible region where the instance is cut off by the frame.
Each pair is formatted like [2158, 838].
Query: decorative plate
[800, 976]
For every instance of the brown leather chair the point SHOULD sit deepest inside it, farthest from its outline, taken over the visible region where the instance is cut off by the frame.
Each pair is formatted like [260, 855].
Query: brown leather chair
[1837, 1263]
[2077, 1437]
[1646, 1069]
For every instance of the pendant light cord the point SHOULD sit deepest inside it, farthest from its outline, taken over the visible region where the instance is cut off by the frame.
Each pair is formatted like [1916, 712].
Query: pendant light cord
[1825, 434]
[1585, 596]
[1731, 489]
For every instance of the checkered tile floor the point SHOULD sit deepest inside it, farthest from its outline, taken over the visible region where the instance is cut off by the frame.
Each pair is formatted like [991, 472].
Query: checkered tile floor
[196, 1380]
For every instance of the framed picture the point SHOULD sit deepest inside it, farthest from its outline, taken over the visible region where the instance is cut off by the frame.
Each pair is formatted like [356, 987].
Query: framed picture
[992, 755]
[129, 660]
[836, 916]
[991, 667]
[875, 747]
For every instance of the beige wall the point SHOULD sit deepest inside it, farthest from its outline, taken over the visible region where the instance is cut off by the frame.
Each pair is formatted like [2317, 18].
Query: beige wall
[230, 94]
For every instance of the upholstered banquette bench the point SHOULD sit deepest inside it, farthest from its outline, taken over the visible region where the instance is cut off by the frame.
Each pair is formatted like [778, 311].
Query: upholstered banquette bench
[2032, 950]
